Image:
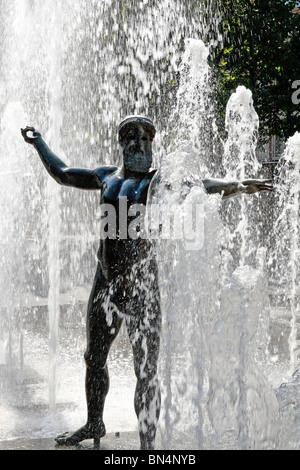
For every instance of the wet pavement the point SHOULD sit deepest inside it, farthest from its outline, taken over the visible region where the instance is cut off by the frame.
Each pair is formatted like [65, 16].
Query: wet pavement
[117, 441]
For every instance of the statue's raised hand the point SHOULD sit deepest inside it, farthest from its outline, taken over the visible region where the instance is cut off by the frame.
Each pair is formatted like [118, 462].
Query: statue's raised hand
[30, 140]
[254, 186]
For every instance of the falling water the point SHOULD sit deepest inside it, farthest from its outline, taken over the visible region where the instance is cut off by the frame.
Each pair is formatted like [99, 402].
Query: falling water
[217, 402]
[13, 182]
[240, 163]
[55, 97]
[73, 70]
[284, 273]
[183, 284]
[287, 244]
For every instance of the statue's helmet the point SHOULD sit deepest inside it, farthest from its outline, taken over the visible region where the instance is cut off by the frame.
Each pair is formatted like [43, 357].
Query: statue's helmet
[129, 120]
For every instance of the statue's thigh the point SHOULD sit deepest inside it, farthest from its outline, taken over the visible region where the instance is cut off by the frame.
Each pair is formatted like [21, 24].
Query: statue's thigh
[144, 327]
[103, 318]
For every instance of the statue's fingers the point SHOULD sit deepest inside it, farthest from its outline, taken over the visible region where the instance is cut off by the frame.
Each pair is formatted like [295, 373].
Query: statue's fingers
[257, 182]
[27, 129]
[267, 181]
[30, 129]
[27, 139]
[249, 182]
[253, 182]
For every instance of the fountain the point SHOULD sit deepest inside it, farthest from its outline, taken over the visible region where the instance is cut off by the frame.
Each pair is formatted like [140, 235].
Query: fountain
[229, 379]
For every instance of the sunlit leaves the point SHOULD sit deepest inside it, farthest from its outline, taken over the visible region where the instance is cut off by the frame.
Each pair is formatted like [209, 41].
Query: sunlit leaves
[261, 51]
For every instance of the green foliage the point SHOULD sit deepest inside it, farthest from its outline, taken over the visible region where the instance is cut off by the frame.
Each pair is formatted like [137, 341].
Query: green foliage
[261, 51]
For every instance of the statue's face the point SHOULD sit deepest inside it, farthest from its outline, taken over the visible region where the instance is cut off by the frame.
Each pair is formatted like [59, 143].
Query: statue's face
[136, 144]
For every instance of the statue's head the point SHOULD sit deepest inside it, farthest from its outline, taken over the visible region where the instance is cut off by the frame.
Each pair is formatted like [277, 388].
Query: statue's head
[136, 134]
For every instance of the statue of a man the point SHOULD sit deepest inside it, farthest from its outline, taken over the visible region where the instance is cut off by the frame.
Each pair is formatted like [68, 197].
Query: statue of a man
[126, 280]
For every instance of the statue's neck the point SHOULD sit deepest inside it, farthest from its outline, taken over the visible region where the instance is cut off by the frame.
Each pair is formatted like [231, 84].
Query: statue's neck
[127, 174]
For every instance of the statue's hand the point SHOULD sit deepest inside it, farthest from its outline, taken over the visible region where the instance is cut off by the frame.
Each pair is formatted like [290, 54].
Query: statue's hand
[254, 186]
[30, 140]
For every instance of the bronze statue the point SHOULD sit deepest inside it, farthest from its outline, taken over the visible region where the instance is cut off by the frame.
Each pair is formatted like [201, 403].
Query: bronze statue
[126, 280]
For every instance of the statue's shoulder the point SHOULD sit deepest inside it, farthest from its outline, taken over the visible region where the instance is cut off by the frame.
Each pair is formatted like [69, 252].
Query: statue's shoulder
[153, 174]
[154, 181]
[103, 171]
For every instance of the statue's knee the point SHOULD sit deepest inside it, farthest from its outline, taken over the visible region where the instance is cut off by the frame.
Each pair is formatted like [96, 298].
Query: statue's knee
[87, 357]
[95, 360]
[146, 374]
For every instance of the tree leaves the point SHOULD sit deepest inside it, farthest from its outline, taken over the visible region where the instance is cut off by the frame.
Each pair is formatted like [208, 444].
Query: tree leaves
[261, 51]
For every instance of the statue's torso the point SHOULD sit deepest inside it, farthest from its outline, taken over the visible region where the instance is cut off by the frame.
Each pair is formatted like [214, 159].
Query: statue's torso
[119, 252]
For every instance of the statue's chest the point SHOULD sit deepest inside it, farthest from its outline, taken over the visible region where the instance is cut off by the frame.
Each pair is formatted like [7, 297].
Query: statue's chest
[134, 191]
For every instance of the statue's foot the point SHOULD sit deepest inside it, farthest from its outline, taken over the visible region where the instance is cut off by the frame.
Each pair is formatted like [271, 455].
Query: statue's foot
[89, 431]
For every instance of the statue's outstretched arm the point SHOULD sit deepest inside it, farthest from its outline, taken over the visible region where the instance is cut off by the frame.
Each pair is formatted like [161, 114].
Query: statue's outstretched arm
[76, 177]
[232, 188]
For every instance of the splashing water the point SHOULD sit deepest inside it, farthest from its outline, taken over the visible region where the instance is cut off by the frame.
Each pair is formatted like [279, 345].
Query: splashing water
[240, 162]
[74, 70]
[214, 388]
[287, 244]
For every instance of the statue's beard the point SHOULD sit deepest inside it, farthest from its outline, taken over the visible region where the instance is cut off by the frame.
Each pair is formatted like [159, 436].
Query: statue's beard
[138, 162]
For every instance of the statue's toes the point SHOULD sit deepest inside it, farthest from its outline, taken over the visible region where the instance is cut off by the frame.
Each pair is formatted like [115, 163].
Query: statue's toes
[62, 438]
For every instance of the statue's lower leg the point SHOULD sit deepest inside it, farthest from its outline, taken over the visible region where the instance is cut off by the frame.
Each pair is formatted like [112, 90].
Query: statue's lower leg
[96, 391]
[147, 407]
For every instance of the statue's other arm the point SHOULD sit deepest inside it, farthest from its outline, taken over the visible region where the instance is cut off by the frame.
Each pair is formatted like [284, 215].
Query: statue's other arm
[76, 177]
[232, 188]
